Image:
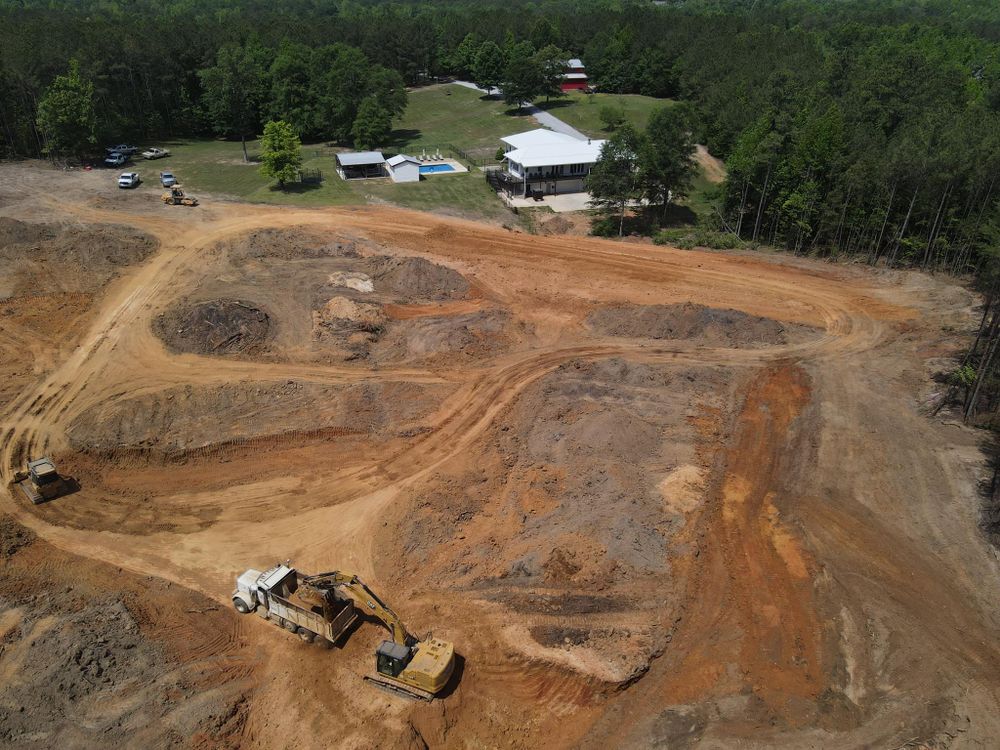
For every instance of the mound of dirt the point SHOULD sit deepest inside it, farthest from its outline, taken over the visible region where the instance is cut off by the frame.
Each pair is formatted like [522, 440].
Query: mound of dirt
[78, 259]
[417, 278]
[479, 334]
[556, 225]
[343, 315]
[222, 326]
[289, 244]
[14, 232]
[687, 321]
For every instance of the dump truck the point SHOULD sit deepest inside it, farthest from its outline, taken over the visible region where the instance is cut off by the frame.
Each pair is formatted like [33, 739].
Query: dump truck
[41, 481]
[325, 605]
[269, 594]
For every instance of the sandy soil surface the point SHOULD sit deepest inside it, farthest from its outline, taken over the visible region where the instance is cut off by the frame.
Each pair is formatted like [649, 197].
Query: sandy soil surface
[656, 498]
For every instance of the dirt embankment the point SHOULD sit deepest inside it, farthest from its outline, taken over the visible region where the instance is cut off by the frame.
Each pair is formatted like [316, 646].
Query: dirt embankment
[173, 422]
[688, 321]
[91, 656]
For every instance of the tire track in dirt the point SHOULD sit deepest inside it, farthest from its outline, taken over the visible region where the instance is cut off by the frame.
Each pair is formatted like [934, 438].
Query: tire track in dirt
[748, 622]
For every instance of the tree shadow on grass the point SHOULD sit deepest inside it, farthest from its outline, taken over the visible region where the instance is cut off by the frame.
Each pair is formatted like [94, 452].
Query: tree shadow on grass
[401, 138]
[295, 188]
[553, 104]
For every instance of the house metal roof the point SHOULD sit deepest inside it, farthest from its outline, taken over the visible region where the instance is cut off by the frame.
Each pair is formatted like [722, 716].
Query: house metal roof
[577, 76]
[400, 158]
[360, 158]
[573, 152]
[575, 62]
[538, 138]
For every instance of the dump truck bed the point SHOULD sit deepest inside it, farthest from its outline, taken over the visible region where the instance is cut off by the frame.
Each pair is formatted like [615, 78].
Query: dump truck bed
[311, 621]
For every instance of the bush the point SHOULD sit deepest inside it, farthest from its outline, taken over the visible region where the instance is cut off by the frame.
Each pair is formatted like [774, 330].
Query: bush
[687, 239]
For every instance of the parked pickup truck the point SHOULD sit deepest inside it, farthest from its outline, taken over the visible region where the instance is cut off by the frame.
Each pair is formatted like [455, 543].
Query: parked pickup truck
[122, 148]
[115, 160]
[128, 180]
[155, 153]
[167, 179]
[271, 594]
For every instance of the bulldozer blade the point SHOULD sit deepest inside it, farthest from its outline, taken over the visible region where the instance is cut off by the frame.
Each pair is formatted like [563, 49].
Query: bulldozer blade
[398, 688]
[30, 492]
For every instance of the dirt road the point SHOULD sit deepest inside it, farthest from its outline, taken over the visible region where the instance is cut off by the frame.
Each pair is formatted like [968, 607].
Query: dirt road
[821, 583]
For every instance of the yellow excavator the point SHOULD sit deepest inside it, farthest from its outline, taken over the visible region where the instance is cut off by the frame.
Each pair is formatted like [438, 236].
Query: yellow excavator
[322, 607]
[403, 664]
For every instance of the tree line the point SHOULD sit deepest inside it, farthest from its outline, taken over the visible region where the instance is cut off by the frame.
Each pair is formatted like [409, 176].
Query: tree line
[865, 127]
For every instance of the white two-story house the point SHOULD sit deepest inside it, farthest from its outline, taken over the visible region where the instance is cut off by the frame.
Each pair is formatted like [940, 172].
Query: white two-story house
[546, 162]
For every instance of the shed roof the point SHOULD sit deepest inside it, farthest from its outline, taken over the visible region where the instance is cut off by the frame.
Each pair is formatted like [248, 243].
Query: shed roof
[576, 76]
[575, 152]
[537, 138]
[395, 161]
[360, 158]
[575, 62]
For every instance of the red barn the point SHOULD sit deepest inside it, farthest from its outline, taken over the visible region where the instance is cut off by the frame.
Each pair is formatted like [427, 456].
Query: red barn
[575, 77]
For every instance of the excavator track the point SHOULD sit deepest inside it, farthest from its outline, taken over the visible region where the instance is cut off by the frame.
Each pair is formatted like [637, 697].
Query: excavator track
[391, 686]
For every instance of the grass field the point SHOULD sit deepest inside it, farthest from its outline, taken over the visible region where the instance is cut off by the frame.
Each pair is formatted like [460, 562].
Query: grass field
[215, 166]
[582, 111]
[452, 114]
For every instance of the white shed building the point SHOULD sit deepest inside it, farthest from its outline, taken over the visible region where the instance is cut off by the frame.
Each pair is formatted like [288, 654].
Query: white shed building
[403, 168]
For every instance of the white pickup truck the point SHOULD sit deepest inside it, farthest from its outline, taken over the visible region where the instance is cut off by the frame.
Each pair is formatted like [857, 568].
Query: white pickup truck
[269, 594]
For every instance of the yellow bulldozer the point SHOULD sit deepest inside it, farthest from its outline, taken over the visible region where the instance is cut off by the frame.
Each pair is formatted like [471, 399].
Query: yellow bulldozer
[175, 197]
[321, 608]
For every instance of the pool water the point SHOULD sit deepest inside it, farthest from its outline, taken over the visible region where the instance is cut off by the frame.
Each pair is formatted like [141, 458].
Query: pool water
[434, 168]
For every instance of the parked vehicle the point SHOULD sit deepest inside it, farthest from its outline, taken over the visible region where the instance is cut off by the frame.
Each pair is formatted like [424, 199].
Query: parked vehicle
[128, 180]
[114, 159]
[122, 148]
[167, 179]
[155, 153]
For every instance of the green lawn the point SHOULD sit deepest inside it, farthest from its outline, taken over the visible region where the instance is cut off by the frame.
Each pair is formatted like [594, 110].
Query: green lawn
[465, 195]
[582, 111]
[437, 116]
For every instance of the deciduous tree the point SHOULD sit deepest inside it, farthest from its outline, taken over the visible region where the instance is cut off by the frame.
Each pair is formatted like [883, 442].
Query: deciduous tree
[66, 114]
[281, 152]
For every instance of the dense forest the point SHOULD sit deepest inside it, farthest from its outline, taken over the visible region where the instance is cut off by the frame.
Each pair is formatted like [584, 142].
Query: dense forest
[865, 127]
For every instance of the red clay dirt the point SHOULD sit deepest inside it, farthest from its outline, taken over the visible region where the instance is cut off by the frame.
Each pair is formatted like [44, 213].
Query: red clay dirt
[656, 498]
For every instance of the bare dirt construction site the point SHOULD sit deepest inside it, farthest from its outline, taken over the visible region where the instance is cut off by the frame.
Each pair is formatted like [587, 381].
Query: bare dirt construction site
[655, 498]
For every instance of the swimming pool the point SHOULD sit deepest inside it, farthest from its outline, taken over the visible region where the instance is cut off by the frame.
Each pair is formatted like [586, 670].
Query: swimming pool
[434, 168]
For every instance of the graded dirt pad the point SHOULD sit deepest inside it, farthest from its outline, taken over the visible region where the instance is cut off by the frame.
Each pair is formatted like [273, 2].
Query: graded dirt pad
[225, 326]
[688, 321]
[714, 514]
[565, 497]
[93, 656]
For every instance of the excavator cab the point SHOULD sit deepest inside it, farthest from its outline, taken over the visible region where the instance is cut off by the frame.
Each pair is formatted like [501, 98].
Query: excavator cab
[391, 658]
